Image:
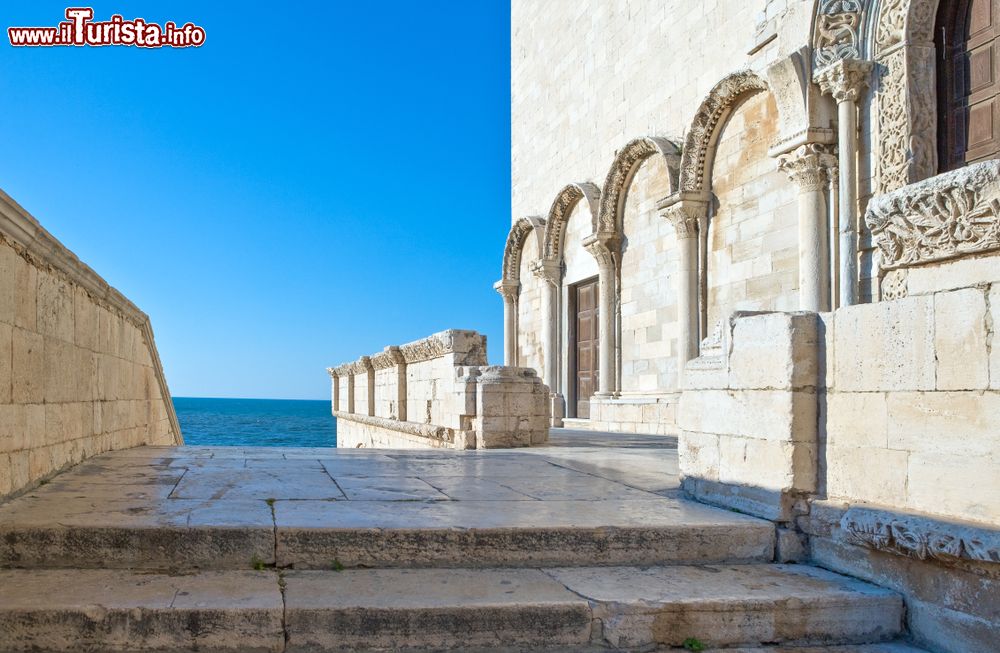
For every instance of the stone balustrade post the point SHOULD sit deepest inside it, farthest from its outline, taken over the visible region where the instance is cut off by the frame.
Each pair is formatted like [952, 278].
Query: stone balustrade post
[550, 273]
[509, 290]
[350, 392]
[688, 216]
[807, 166]
[604, 248]
[845, 79]
[400, 361]
[336, 389]
[365, 364]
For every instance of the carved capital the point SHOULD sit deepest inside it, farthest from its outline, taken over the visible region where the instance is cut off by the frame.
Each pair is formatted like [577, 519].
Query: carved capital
[685, 215]
[508, 289]
[808, 166]
[844, 79]
[548, 271]
[602, 247]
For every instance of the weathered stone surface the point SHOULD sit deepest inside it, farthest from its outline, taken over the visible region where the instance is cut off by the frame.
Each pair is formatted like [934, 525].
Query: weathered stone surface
[887, 346]
[421, 609]
[751, 604]
[103, 610]
[960, 340]
[775, 351]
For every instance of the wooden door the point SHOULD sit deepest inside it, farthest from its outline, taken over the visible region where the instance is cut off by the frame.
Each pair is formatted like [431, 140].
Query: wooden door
[586, 345]
[968, 81]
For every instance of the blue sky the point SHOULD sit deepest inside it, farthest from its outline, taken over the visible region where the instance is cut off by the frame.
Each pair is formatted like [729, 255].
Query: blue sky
[312, 184]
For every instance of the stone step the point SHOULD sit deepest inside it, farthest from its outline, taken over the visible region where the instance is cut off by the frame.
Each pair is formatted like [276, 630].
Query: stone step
[53, 530]
[575, 608]
[889, 647]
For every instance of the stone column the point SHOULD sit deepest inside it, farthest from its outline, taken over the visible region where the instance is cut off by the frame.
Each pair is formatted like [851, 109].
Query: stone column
[686, 216]
[807, 166]
[509, 290]
[369, 371]
[336, 390]
[350, 392]
[550, 273]
[604, 248]
[397, 357]
[845, 80]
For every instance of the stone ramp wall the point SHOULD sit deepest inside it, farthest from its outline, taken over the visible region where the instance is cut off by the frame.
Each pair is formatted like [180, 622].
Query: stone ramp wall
[79, 371]
[871, 436]
[438, 392]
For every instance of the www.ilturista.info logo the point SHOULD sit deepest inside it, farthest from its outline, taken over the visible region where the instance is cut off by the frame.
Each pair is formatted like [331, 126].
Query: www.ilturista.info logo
[79, 29]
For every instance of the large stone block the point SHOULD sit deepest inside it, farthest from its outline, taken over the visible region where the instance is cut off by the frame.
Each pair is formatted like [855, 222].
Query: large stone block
[764, 464]
[960, 340]
[954, 485]
[960, 423]
[698, 455]
[866, 474]
[28, 367]
[994, 341]
[6, 362]
[952, 275]
[8, 264]
[25, 294]
[888, 346]
[774, 351]
[763, 414]
[84, 319]
[857, 419]
[55, 307]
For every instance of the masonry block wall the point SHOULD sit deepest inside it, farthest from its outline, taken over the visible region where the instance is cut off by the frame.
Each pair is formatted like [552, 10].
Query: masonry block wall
[79, 371]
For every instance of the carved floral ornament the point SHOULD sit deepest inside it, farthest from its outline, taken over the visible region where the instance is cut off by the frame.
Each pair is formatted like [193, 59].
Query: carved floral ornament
[562, 207]
[686, 215]
[944, 217]
[809, 165]
[627, 161]
[712, 112]
[844, 79]
[919, 537]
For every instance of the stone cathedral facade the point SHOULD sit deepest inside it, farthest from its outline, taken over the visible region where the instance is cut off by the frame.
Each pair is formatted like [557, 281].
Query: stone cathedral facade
[674, 162]
[772, 227]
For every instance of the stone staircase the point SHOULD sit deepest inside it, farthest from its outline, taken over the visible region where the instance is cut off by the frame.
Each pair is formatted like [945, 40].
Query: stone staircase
[111, 557]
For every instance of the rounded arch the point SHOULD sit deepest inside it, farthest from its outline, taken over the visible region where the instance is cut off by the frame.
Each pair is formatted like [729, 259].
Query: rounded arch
[696, 160]
[555, 225]
[519, 232]
[608, 219]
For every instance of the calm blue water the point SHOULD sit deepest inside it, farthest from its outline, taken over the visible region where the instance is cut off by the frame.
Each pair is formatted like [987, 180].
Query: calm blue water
[256, 422]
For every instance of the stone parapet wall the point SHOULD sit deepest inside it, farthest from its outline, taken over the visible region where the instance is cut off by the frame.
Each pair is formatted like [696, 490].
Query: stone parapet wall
[438, 392]
[656, 414]
[79, 370]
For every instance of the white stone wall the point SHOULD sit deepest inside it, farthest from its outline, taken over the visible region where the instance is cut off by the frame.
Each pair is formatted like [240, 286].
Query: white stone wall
[529, 310]
[79, 373]
[753, 235]
[914, 404]
[588, 76]
[648, 295]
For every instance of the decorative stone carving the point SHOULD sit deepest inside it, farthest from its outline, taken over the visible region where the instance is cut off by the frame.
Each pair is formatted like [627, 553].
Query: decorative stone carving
[844, 79]
[893, 286]
[602, 247]
[919, 537]
[562, 206]
[508, 289]
[548, 271]
[906, 112]
[608, 219]
[940, 218]
[809, 166]
[838, 31]
[720, 101]
[390, 357]
[515, 245]
[685, 216]
[889, 29]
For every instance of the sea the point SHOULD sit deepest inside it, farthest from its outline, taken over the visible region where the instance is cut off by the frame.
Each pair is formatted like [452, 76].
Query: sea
[256, 422]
